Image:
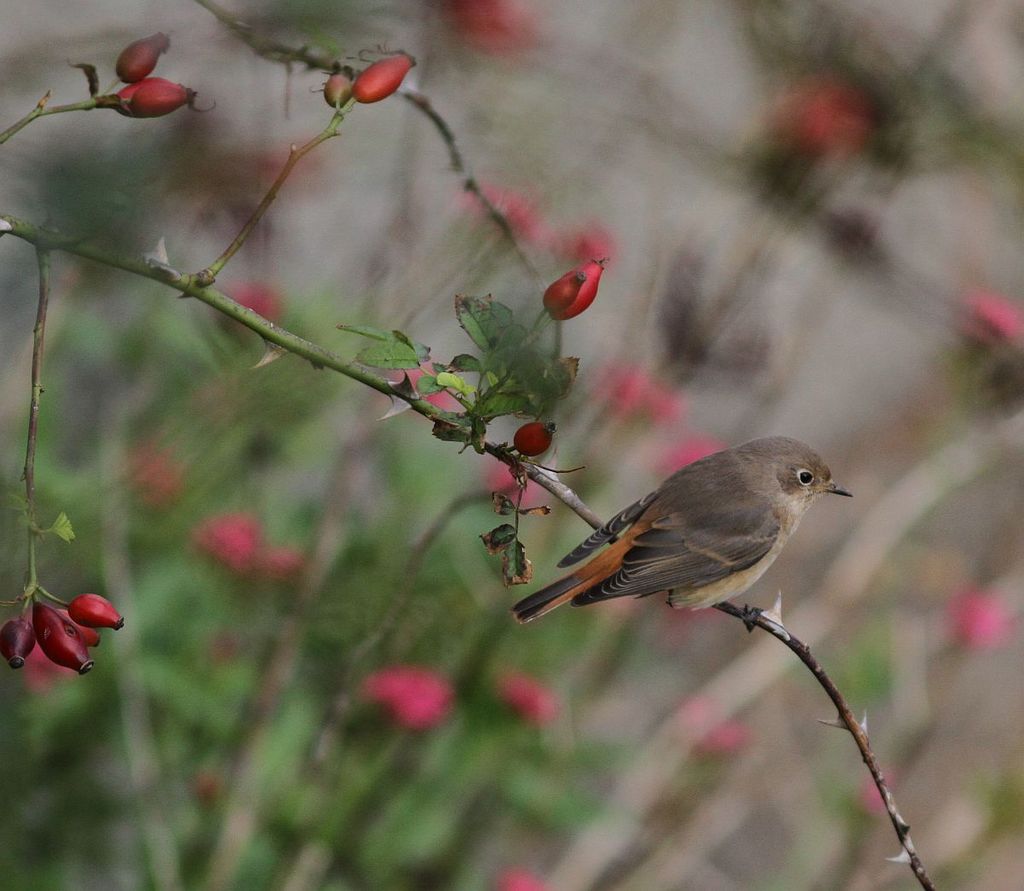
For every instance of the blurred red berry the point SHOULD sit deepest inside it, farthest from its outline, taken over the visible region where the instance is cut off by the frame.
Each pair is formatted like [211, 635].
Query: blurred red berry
[519, 880]
[868, 796]
[17, 638]
[443, 400]
[534, 438]
[580, 245]
[154, 97]
[138, 59]
[691, 449]
[233, 540]
[416, 698]
[337, 90]
[990, 317]
[59, 639]
[700, 720]
[95, 611]
[382, 78]
[500, 27]
[258, 297]
[282, 564]
[155, 474]
[826, 117]
[41, 674]
[568, 296]
[529, 698]
[979, 620]
[631, 392]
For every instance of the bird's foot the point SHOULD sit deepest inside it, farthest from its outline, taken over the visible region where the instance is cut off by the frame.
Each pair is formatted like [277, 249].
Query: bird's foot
[750, 616]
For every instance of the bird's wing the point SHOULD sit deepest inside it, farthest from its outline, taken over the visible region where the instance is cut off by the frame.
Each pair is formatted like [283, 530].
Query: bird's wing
[684, 552]
[608, 532]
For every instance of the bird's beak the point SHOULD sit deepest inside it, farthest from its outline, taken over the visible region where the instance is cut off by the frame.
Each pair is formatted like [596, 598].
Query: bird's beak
[833, 489]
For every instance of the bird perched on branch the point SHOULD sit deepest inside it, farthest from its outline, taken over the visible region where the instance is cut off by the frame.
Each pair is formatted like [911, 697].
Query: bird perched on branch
[704, 535]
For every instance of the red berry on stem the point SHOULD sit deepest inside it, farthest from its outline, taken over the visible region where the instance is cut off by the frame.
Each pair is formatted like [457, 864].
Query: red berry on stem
[59, 639]
[569, 295]
[17, 638]
[154, 97]
[138, 59]
[337, 90]
[382, 78]
[94, 611]
[534, 438]
[90, 636]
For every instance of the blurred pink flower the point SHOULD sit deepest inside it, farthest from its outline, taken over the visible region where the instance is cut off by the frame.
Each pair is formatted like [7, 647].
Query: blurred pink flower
[520, 211]
[699, 719]
[691, 449]
[258, 297]
[825, 116]
[41, 674]
[500, 27]
[233, 540]
[868, 796]
[499, 478]
[416, 698]
[529, 698]
[592, 242]
[978, 619]
[991, 317]
[282, 564]
[519, 880]
[632, 392]
[156, 475]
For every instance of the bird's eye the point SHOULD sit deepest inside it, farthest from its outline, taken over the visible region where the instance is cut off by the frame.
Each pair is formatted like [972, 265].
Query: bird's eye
[805, 477]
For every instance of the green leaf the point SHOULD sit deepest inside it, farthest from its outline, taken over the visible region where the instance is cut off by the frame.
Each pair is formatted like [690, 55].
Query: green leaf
[465, 362]
[515, 568]
[484, 319]
[427, 385]
[393, 349]
[16, 501]
[62, 527]
[453, 382]
[452, 432]
[499, 538]
[502, 504]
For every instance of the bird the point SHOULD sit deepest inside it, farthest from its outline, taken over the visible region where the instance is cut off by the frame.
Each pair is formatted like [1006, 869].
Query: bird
[706, 534]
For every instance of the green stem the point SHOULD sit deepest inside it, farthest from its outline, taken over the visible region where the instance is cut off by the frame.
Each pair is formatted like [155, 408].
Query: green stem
[29, 475]
[210, 273]
[41, 110]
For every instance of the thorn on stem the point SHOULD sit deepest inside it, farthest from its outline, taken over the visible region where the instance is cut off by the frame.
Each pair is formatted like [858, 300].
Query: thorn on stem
[833, 722]
[902, 857]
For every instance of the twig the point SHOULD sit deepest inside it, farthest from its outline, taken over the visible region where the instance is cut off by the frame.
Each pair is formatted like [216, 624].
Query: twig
[283, 53]
[208, 275]
[857, 729]
[42, 109]
[29, 475]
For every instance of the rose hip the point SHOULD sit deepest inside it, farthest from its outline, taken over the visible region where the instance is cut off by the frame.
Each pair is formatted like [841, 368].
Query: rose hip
[571, 294]
[59, 639]
[154, 97]
[382, 78]
[534, 438]
[337, 90]
[138, 59]
[94, 611]
[17, 638]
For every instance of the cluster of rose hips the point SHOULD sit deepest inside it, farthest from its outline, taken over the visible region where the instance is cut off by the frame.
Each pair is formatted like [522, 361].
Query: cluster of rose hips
[373, 83]
[64, 637]
[145, 96]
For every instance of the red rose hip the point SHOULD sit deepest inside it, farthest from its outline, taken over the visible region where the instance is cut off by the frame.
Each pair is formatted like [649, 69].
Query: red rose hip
[138, 59]
[569, 295]
[382, 78]
[155, 97]
[94, 611]
[534, 438]
[17, 639]
[59, 639]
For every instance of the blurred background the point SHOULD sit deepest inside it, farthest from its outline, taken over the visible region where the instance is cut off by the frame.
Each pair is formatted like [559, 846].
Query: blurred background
[813, 213]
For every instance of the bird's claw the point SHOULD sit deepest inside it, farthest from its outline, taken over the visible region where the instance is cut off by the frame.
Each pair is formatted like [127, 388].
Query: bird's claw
[750, 616]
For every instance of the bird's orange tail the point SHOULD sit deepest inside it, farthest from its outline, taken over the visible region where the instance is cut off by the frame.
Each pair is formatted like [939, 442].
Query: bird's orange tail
[546, 599]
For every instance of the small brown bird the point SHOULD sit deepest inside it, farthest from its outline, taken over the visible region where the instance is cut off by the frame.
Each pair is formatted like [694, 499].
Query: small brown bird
[704, 535]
